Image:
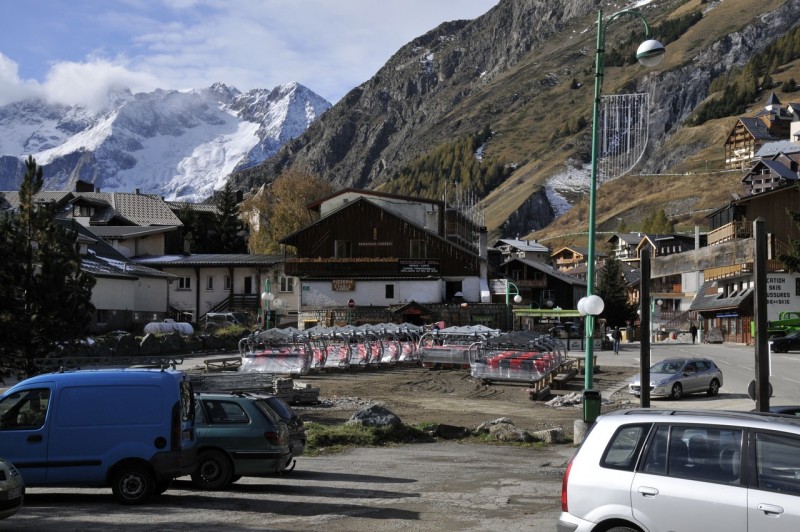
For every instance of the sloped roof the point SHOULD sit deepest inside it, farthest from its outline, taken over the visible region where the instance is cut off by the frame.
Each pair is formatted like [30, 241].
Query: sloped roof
[121, 232]
[210, 259]
[102, 260]
[141, 209]
[628, 238]
[548, 270]
[58, 197]
[757, 128]
[780, 169]
[773, 149]
[522, 245]
[414, 199]
[709, 299]
[197, 207]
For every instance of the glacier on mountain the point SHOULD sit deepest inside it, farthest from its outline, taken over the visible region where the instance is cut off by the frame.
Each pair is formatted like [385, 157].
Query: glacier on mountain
[181, 145]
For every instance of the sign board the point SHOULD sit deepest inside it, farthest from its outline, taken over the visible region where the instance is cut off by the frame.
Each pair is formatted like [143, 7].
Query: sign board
[418, 265]
[343, 285]
[498, 286]
[783, 293]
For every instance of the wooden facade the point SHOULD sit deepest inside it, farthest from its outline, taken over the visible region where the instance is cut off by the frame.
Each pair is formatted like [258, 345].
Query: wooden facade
[362, 240]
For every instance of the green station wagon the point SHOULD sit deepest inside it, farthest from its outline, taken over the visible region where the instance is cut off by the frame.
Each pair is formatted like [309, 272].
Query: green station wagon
[237, 435]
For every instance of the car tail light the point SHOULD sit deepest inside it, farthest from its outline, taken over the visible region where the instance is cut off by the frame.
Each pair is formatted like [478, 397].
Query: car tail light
[564, 505]
[274, 438]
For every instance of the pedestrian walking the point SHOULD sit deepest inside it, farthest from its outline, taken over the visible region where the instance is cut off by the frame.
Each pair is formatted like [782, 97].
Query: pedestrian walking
[616, 335]
[693, 332]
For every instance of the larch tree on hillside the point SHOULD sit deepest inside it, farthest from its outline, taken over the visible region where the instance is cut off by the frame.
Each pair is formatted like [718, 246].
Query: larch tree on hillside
[279, 210]
[46, 295]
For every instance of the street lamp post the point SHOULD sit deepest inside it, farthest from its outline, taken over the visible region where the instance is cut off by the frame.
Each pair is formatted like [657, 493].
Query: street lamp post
[269, 300]
[517, 299]
[649, 54]
[654, 329]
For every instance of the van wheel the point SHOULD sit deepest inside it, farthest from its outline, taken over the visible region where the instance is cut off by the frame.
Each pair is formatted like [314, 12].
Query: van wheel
[713, 388]
[214, 471]
[677, 391]
[622, 529]
[133, 484]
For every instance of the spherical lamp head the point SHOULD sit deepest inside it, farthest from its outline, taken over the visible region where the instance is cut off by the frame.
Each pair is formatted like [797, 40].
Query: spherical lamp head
[517, 298]
[650, 53]
[594, 305]
[582, 306]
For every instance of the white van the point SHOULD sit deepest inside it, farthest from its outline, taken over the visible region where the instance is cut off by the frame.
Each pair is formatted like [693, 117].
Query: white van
[130, 429]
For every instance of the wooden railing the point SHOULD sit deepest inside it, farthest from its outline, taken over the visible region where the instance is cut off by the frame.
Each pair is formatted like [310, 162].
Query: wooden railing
[730, 231]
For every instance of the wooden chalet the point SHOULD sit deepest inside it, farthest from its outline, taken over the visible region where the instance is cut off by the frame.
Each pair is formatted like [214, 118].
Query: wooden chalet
[365, 254]
[749, 134]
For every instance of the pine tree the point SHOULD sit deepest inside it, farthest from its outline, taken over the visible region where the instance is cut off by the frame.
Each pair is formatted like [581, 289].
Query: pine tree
[228, 226]
[46, 296]
[612, 288]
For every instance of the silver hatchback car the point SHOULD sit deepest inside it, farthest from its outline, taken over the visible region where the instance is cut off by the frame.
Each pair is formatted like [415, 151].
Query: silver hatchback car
[675, 377]
[662, 470]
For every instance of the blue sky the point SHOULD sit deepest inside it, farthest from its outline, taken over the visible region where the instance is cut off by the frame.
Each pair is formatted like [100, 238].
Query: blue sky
[72, 51]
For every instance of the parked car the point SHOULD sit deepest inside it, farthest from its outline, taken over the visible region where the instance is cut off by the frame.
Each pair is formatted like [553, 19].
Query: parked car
[12, 489]
[297, 429]
[784, 344]
[675, 377]
[643, 469]
[237, 435]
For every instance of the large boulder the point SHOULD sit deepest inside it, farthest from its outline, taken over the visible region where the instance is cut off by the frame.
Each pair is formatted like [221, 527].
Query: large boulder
[374, 416]
[502, 429]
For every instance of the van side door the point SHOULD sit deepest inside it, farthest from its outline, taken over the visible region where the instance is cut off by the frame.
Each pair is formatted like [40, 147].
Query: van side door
[24, 432]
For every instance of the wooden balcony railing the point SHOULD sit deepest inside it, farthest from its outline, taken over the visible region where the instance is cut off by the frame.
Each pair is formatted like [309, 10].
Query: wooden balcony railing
[730, 231]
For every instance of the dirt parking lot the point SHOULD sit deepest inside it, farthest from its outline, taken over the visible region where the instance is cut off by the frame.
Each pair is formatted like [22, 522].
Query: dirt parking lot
[436, 486]
[447, 396]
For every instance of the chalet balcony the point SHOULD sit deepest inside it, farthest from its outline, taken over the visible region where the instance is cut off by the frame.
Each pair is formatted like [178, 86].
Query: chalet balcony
[361, 267]
[729, 232]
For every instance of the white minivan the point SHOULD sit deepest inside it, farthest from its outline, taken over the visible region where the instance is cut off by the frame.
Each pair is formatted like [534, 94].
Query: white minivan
[130, 429]
[662, 470]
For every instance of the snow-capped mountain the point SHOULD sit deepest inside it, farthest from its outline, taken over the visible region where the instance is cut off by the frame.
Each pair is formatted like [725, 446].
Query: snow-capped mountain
[179, 144]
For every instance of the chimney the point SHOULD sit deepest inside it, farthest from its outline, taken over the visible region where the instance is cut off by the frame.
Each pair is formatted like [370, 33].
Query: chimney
[137, 192]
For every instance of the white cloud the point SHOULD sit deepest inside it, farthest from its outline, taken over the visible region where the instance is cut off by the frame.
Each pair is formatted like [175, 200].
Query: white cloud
[12, 88]
[87, 84]
[328, 46]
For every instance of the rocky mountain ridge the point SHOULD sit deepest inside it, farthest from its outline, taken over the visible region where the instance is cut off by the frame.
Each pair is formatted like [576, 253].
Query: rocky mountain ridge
[179, 144]
[526, 68]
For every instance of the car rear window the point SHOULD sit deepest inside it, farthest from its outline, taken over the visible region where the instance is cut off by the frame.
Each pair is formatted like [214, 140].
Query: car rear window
[281, 408]
[265, 409]
[624, 447]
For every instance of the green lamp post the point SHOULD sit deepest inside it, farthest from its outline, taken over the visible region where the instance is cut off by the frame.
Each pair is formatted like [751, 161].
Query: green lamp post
[649, 54]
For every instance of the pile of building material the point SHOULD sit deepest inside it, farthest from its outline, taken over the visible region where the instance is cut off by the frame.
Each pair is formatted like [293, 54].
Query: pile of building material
[283, 387]
[304, 393]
